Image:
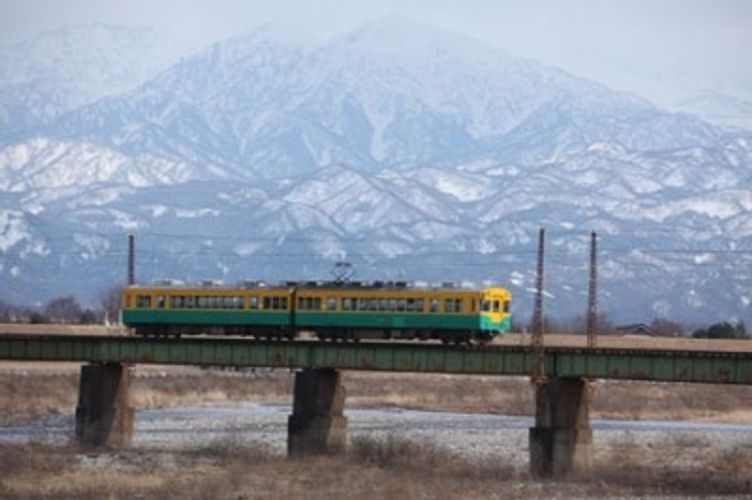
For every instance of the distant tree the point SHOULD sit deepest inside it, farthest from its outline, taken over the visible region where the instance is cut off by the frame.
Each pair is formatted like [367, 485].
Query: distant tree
[109, 301]
[723, 330]
[63, 309]
[36, 318]
[11, 313]
[550, 325]
[578, 325]
[89, 317]
[666, 328]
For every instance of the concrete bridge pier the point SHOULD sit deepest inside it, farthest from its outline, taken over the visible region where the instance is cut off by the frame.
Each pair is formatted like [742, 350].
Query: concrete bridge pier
[317, 424]
[104, 417]
[561, 441]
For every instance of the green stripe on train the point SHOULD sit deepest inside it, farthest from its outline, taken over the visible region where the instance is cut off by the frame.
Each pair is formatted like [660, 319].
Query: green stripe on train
[194, 317]
[315, 319]
[397, 321]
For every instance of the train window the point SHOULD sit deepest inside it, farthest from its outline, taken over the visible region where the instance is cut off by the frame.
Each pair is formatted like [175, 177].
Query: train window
[190, 302]
[253, 302]
[419, 305]
[267, 302]
[434, 306]
[495, 306]
[143, 301]
[176, 302]
[392, 305]
[276, 303]
[506, 306]
[401, 304]
[161, 302]
[485, 306]
[283, 303]
[410, 306]
[452, 306]
[331, 304]
[309, 303]
[346, 304]
[383, 305]
[362, 304]
[373, 304]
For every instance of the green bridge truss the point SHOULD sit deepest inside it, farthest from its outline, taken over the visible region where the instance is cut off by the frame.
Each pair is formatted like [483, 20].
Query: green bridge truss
[657, 365]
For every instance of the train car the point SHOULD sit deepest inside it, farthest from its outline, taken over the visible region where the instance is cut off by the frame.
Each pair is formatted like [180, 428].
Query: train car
[336, 311]
[264, 312]
[448, 314]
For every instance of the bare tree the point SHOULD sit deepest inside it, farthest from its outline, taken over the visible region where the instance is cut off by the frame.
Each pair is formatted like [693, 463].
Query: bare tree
[666, 328]
[11, 313]
[63, 309]
[109, 300]
[578, 325]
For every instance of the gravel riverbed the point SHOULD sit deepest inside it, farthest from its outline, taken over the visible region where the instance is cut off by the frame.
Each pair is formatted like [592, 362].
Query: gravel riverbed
[480, 437]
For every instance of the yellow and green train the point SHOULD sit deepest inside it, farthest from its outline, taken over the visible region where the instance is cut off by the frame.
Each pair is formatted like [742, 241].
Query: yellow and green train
[328, 310]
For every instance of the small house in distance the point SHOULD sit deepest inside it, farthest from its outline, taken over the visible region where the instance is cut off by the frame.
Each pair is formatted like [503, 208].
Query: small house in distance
[637, 329]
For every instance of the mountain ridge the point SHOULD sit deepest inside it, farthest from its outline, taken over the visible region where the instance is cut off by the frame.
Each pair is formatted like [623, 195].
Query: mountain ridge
[280, 159]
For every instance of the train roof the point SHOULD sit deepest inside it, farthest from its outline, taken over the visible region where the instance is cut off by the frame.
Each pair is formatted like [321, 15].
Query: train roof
[314, 285]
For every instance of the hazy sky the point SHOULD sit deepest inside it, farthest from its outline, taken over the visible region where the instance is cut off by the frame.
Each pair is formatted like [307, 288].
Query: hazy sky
[632, 44]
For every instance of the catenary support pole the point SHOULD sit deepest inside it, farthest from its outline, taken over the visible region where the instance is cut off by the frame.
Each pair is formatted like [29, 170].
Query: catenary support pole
[131, 260]
[592, 315]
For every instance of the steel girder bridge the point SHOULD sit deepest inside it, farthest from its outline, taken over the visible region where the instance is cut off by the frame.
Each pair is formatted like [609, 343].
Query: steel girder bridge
[560, 362]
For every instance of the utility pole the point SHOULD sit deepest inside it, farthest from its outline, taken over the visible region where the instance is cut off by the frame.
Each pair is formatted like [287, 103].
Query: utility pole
[592, 316]
[131, 260]
[538, 376]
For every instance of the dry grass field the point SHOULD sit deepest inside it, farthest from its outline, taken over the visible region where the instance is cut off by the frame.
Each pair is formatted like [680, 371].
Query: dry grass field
[370, 470]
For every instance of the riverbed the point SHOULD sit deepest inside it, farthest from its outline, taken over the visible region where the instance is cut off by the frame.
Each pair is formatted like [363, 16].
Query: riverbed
[480, 437]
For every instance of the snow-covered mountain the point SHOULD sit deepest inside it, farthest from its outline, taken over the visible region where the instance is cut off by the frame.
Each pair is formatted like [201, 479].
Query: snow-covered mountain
[390, 94]
[412, 152]
[61, 70]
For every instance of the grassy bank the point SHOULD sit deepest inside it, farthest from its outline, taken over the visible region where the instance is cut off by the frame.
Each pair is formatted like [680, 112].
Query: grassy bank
[371, 470]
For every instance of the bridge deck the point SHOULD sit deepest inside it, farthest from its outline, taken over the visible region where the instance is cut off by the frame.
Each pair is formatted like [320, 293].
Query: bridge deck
[616, 363]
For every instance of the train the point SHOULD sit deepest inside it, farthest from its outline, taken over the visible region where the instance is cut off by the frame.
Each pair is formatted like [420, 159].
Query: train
[333, 311]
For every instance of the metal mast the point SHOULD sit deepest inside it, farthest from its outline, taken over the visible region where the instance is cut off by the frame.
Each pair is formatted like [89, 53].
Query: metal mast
[592, 316]
[538, 374]
[131, 260]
